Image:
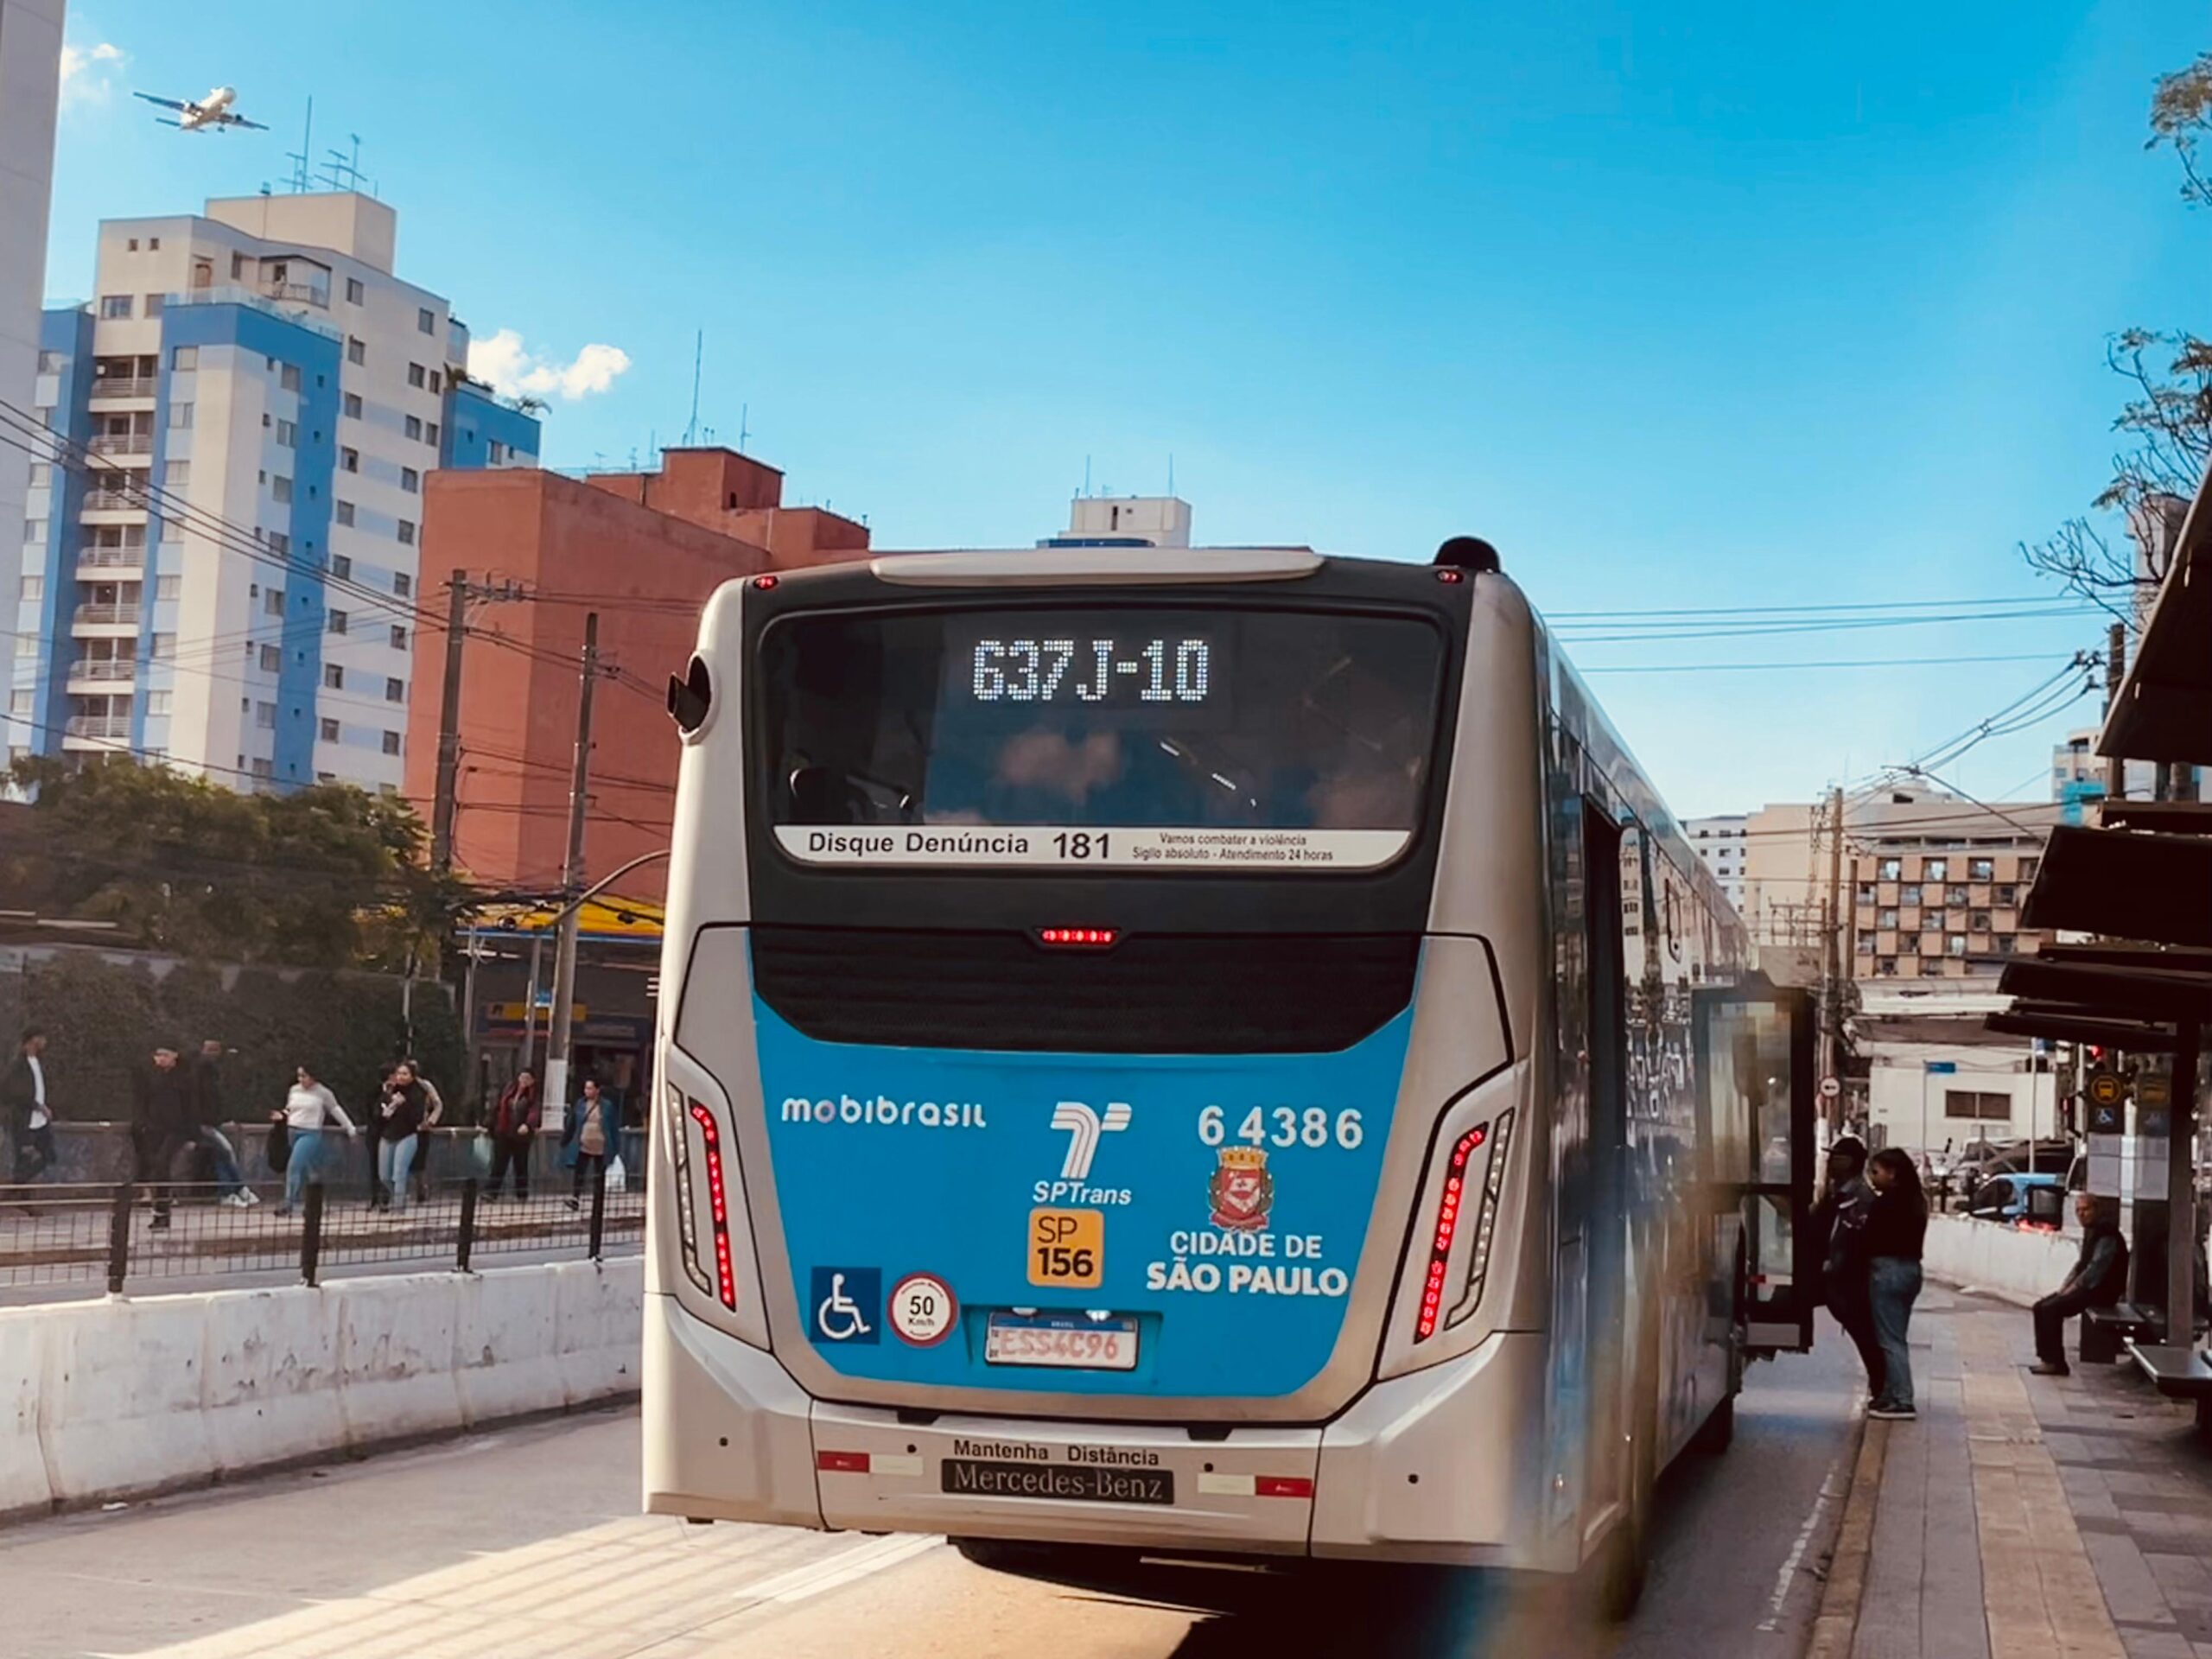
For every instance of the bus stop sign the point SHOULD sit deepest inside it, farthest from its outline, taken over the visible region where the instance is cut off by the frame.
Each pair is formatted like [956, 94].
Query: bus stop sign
[2106, 1088]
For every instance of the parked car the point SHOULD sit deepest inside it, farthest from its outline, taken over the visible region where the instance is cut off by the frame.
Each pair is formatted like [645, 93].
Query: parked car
[2005, 1198]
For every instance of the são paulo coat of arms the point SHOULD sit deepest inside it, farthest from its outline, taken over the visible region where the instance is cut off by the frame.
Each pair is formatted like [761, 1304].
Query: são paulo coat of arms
[1241, 1191]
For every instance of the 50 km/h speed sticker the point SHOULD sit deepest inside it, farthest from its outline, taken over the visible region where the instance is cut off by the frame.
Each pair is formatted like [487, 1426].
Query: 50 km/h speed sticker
[924, 1310]
[1067, 1248]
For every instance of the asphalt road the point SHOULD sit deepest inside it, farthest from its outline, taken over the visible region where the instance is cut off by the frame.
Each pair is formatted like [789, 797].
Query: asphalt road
[524, 1545]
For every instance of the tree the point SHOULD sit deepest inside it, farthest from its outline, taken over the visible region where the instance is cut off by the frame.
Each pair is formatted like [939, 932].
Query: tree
[328, 876]
[2167, 419]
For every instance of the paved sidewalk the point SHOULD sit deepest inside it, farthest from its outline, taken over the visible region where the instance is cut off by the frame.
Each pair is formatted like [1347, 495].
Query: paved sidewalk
[2022, 1517]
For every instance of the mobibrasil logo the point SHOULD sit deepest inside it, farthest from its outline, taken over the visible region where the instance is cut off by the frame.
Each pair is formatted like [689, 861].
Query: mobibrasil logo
[1084, 1125]
[883, 1112]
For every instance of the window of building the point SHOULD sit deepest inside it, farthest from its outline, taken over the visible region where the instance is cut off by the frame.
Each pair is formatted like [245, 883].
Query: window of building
[2007, 894]
[158, 703]
[1910, 894]
[417, 376]
[434, 380]
[281, 487]
[1933, 921]
[287, 378]
[1886, 966]
[350, 459]
[184, 359]
[287, 435]
[2006, 943]
[334, 676]
[336, 622]
[271, 659]
[51, 362]
[1956, 894]
[264, 767]
[34, 531]
[1865, 944]
[1865, 892]
[1977, 1106]
[153, 305]
[180, 418]
[414, 425]
[175, 474]
[409, 480]
[172, 529]
[264, 716]
[430, 434]
[272, 602]
[391, 742]
[398, 637]
[355, 351]
[345, 510]
[26, 645]
[279, 541]
[354, 291]
[353, 405]
[115, 307]
[494, 450]
[426, 319]
[1981, 869]
[1886, 918]
[406, 534]
[168, 587]
[341, 568]
[401, 583]
[1956, 944]
[395, 690]
[1934, 870]
[19, 702]
[2028, 869]
[41, 475]
[329, 730]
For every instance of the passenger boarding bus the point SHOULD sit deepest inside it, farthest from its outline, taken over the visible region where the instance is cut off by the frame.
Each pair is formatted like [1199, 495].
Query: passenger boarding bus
[1209, 1053]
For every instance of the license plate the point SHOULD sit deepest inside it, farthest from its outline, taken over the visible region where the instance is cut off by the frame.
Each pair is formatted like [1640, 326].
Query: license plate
[1068, 1341]
[1076, 1482]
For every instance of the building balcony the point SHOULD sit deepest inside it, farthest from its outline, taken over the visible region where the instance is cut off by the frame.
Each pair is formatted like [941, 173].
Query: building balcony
[114, 386]
[111, 558]
[296, 293]
[106, 616]
[114, 501]
[232, 294]
[121, 443]
[102, 672]
[113, 728]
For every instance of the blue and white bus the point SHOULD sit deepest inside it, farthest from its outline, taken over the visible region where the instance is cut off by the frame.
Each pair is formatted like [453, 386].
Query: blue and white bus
[1201, 1052]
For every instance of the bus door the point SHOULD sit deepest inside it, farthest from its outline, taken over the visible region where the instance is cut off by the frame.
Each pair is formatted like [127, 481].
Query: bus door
[1756, 1088]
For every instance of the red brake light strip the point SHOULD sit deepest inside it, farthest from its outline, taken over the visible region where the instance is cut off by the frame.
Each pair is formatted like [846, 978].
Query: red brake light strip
[1448, 1225]
[718, 1201]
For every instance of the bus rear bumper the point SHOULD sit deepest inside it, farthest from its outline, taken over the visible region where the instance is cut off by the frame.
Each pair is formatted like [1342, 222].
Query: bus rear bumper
[1434, 1467]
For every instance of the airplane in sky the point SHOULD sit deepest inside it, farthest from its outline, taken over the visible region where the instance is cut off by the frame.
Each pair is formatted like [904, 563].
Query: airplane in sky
[211, 113]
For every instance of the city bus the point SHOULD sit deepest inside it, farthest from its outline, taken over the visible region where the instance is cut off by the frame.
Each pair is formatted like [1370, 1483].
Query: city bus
[1207, 1053]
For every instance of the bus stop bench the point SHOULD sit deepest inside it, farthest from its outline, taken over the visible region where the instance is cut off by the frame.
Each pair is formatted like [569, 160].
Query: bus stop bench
[2103, 1328]
[2180, 1373]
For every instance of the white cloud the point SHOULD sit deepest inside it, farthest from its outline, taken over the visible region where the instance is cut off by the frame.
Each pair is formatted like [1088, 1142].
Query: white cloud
[510, 369]
[87, 73]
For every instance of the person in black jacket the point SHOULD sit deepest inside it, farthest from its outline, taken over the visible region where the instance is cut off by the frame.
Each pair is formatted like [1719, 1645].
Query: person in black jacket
[28, 1108]
[163, 1123]
[2097, 1280]
[1838, 1226]
[399, 1115]
[1896, 1226]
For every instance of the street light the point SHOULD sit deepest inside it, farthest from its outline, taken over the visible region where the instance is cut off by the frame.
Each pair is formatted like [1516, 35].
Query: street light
[555, 1093]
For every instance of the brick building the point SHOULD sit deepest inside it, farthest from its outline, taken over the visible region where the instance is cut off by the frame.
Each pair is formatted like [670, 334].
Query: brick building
[644, 550]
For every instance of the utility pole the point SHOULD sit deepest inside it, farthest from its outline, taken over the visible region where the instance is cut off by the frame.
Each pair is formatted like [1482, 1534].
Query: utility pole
[459, 592]
[2115, 671]
[1832, 1109]
[555, 1095]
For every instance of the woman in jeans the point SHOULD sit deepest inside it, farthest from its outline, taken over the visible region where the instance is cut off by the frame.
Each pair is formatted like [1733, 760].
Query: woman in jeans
[310, 1113]
[1895, 1227]
[399, 1115]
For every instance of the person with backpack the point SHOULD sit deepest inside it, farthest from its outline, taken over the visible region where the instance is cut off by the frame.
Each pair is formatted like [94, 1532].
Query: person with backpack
[1896, 1227]
[1839, 1222]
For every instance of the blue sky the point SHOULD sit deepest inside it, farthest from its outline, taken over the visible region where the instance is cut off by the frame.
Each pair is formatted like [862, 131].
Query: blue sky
[1681, 303]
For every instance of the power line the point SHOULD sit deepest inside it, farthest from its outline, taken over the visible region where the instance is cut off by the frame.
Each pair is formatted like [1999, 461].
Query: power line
[1858, 662]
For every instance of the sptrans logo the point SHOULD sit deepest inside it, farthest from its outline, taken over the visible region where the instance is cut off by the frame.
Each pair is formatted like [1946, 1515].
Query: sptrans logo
[883, 1112]
[1084, 1125]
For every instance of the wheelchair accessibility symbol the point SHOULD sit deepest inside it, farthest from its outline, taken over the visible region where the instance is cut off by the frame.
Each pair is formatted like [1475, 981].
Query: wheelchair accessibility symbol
[846, 1304]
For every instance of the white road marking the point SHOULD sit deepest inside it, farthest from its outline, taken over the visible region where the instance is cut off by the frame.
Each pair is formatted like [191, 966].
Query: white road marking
[846, 1567]
[1829, 1490]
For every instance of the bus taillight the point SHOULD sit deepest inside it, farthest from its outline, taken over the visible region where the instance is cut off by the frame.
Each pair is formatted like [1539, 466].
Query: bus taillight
[1079, 939]
[717, 1204]
[1448, 1225]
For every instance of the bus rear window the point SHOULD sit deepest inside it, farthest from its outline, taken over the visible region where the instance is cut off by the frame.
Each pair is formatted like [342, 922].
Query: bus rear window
[1124, 737]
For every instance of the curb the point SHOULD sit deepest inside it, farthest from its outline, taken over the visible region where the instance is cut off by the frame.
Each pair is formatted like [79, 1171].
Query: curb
[1836, 1625]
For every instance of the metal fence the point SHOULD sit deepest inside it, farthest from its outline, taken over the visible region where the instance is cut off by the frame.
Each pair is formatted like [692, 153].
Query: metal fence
[147, 1235]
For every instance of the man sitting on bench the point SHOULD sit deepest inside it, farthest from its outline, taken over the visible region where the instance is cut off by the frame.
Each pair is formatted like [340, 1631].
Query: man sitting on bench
[2099, 1279]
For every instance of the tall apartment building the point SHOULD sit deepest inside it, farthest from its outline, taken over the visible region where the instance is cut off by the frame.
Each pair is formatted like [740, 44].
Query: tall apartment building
[1936, 885]
[1724, 843]
[222, 566]
[30, 78]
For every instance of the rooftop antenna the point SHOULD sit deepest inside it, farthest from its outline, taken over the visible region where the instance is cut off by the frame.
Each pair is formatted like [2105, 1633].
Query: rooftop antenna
[698, 351]
[1171, 471]
[344, 172]
[743, 431]
[1086, 474]
[301, 180]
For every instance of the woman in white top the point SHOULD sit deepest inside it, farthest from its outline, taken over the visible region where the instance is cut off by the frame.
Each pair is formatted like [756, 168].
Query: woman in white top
[311, 1112]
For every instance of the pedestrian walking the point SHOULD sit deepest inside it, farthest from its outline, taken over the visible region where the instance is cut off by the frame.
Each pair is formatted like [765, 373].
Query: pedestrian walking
[434, 1110]
[2099, 1279]
[312, 1118]
[26, 1108]
[1839, 1230]
[161, 1124]
[399, 1120]
[512, 1127]
[591, 1128]
[208, 1117]
[1897, 1225]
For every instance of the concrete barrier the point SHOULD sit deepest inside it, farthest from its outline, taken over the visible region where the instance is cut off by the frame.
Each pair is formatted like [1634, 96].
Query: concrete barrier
[127, 1397]
[2019, 1264]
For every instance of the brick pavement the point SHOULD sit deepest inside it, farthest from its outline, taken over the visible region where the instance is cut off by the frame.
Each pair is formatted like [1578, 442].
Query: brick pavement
[2024, 1517]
